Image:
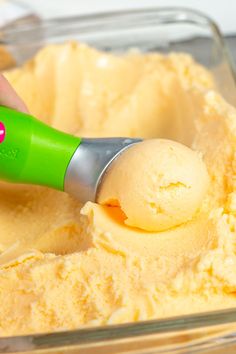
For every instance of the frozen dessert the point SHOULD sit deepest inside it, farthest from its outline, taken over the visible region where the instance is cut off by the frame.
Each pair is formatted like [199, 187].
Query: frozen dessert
[158, 184]
[64, 265]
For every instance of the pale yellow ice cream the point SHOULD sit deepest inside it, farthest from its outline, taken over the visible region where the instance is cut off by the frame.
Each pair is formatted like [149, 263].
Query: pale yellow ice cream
[63, 267]
[158, 184]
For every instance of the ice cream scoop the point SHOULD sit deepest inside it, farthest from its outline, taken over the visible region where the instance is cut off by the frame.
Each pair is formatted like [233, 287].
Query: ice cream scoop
[157, 183]
[32, 152]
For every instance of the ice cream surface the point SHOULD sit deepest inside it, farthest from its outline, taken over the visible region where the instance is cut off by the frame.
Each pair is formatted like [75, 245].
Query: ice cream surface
[158, 184]
[64, 265]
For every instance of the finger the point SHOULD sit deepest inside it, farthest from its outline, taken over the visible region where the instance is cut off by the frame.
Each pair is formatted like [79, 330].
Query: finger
[9, 98]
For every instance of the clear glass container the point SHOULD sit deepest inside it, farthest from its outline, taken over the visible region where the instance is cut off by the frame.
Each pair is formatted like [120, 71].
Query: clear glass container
[163, 30]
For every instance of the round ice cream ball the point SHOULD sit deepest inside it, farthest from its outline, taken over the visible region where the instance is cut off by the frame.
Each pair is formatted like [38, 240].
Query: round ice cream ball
[157, 183]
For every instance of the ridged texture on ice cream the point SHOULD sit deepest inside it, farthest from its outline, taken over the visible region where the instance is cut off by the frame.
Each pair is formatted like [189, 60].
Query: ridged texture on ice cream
[158, 184]
[86, 92]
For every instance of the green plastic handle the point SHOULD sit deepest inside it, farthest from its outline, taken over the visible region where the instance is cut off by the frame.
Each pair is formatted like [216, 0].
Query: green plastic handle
[32, 152]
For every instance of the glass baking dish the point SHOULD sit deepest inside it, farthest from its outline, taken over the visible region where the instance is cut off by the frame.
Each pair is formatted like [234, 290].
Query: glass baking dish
[158, 29]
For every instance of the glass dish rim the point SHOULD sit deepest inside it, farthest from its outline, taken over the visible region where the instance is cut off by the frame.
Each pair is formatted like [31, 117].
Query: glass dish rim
[89, 335]
[109, 333]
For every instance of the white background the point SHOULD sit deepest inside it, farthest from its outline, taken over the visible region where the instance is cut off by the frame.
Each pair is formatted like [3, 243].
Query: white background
[223, 11]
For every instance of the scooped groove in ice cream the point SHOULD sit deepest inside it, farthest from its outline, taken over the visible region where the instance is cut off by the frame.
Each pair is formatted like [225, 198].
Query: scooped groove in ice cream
[157, 183]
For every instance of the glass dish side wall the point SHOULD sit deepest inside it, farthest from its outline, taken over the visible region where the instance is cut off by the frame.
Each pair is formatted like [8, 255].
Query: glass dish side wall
[163, 30]
[203, 333]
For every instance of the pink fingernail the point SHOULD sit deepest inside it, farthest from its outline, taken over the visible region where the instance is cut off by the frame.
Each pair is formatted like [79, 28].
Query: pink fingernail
[2, 132]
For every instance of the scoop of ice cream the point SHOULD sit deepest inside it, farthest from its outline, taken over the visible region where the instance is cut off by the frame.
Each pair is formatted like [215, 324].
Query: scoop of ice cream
[157, 183]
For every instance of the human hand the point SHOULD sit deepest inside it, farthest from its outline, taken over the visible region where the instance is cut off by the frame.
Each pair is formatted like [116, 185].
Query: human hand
[9, 98]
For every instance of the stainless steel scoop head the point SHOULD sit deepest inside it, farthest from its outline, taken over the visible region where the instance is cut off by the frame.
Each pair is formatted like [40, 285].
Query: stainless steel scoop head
[89, 164]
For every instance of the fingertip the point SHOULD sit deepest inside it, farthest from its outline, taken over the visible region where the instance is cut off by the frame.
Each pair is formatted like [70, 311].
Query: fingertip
[9, 97]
